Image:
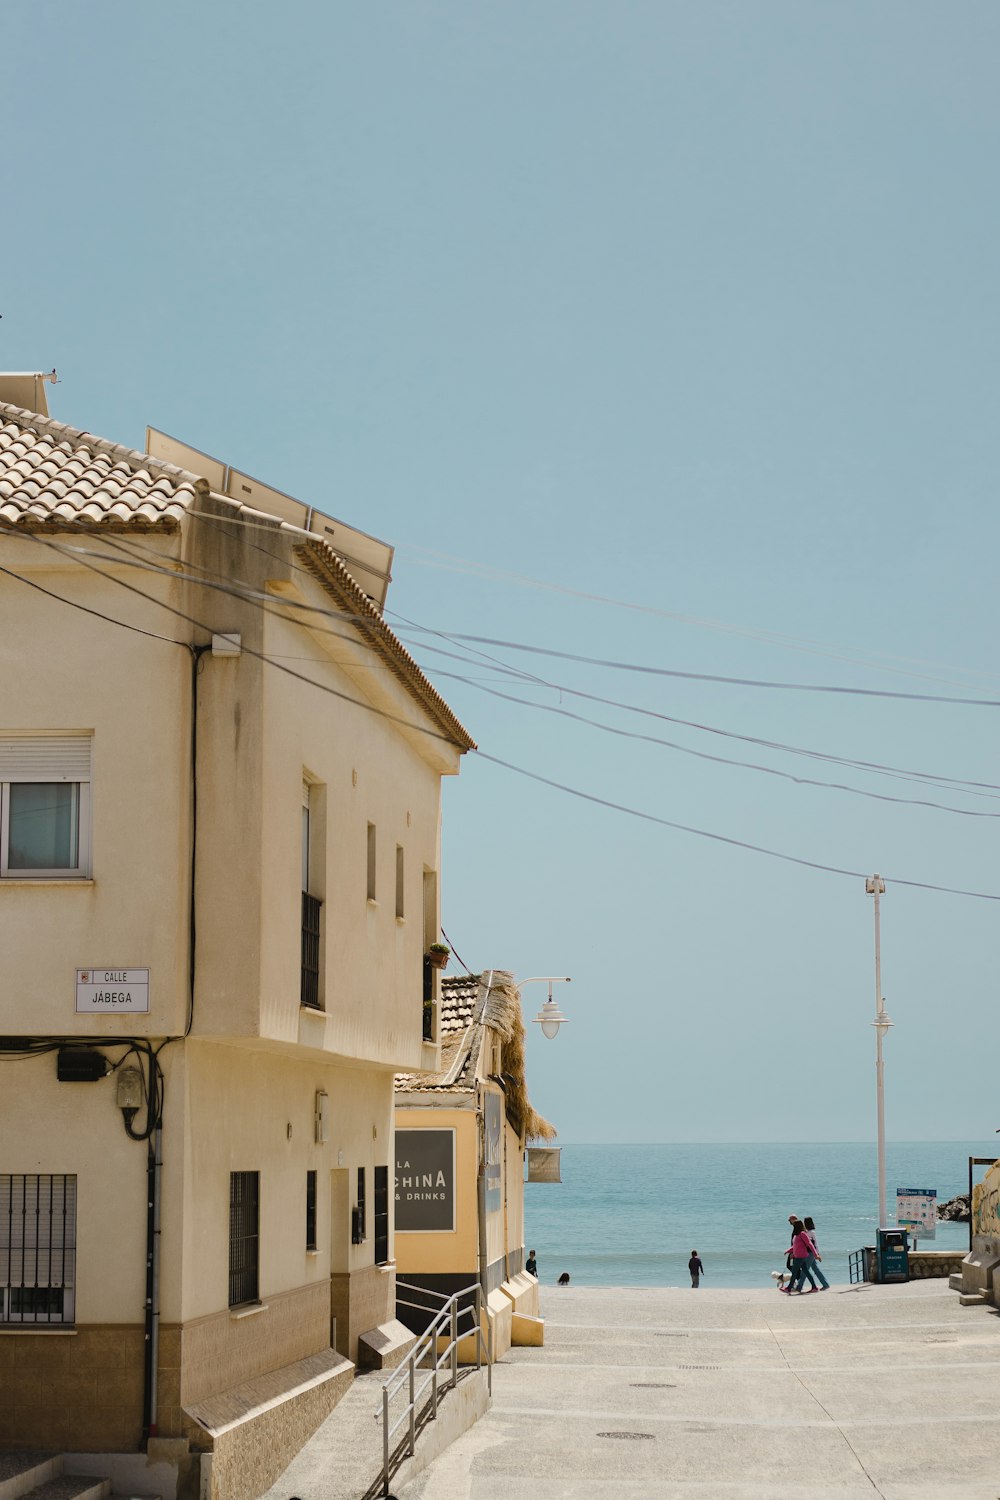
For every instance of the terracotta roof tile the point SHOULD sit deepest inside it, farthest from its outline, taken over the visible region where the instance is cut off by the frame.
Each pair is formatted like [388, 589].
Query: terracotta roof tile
[52, 476]
[55, 478]
[462, 1001]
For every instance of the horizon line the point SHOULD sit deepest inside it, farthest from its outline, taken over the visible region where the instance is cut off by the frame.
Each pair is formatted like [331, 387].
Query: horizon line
[897, 1141]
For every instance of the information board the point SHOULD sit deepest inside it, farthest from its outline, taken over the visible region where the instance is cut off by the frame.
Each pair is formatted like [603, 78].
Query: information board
[916, 1211]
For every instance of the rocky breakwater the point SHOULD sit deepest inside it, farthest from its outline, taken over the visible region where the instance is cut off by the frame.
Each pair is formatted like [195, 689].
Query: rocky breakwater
[956, 1210]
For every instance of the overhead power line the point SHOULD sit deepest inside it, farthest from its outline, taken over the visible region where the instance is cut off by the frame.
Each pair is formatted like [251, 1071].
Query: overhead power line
[757, 682]
[247, 650]
[925, 778]
[722, 838]
[255, 595]
[722, 760]
[520, 770]
[855, 655]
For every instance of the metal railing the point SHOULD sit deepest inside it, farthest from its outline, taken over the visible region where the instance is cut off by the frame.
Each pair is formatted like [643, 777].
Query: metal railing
[858, 1265]
[458, 1317]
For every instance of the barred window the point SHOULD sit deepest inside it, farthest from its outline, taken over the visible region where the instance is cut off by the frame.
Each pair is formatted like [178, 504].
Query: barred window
[381, 1215]
[310, 1210]
[244, 1237]
[37, 1248]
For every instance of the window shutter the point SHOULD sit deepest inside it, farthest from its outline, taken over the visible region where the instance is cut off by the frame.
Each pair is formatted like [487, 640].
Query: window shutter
[45, 757]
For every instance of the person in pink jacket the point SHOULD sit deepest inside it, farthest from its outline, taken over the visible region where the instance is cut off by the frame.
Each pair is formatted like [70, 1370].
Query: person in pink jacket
[801, 1252]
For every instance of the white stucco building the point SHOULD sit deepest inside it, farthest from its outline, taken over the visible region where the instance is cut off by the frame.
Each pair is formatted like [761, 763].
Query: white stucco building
[219, 871]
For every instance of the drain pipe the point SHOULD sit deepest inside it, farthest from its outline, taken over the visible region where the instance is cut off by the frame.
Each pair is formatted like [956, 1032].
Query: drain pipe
[152, 1330]
[154, 1340]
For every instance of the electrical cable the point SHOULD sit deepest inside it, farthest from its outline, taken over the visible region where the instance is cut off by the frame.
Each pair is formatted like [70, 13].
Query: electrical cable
[703, 755]
[947, 783]
[722, 838]
[123, 624]
[247, 650]
[244, 591]
[23, 1048]
[248, 595]
[860, 656]
[458, 955]
[880, 661]
[758, 682]
[722, 760]
[251, 595]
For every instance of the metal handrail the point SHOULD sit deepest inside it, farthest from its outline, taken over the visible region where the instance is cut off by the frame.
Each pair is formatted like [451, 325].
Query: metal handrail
[447, 1318]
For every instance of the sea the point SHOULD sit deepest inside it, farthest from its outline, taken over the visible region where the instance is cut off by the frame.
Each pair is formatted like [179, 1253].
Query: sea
[631, 1215]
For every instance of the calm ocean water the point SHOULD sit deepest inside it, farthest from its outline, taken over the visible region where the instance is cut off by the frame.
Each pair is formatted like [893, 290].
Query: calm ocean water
[630, 1215]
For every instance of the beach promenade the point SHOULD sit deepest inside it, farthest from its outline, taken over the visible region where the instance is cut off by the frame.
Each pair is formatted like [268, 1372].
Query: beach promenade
[739, 1395]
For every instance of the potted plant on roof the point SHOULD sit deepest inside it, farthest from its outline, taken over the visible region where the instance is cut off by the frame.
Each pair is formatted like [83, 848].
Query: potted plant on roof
[438, 955]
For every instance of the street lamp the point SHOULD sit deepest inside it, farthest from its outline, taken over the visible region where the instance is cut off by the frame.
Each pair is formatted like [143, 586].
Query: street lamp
[875, 886]
[550, 1017]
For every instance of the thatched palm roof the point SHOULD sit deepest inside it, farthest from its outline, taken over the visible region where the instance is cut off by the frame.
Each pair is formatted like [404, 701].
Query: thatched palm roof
[473, 1010]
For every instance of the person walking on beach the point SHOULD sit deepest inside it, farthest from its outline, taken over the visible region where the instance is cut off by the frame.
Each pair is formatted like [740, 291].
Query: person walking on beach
[695, 1267]
[815, 1258]
[531, 1264]
[802, 1249]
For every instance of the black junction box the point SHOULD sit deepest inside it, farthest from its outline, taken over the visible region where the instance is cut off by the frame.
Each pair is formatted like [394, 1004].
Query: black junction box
[80, 1065]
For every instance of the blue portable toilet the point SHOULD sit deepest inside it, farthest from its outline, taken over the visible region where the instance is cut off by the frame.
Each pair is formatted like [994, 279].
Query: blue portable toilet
[892, 1260]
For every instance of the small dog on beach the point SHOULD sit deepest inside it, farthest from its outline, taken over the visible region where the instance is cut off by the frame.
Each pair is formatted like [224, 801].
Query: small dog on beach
[781, 1277]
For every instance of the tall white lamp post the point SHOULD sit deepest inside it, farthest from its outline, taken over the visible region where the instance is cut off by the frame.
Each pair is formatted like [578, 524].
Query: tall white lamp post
[875, 886]
[550, 1017]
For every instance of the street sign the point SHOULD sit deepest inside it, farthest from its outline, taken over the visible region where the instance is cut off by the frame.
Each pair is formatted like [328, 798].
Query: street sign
[112, 989]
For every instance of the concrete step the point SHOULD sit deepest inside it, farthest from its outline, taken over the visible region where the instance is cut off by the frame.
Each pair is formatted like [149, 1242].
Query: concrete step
[23, 1471]
[972, 1299]
[71, 1487]
[955, 1281]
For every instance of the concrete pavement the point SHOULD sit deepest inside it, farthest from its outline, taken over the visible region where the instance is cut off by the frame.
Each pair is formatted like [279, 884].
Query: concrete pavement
[739, 1395]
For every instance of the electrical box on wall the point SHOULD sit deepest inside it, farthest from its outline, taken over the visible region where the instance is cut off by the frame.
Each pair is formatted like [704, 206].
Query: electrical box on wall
[80, 1065]
[322, 1118]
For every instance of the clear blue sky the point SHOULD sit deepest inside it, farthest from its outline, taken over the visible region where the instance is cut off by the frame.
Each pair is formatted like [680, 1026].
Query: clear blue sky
[692, 307]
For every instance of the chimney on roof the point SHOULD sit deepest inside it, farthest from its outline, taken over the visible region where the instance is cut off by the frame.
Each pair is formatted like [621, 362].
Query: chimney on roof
[26, 390]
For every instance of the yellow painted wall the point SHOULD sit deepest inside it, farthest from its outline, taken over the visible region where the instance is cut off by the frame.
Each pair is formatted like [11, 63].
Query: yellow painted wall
[443, 1253]
[514, 1191]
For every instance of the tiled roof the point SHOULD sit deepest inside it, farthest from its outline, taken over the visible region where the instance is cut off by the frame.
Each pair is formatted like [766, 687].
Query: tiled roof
[55, 478]
[52, 475]
[462, 1002]
[322, 561]
[458, 1002]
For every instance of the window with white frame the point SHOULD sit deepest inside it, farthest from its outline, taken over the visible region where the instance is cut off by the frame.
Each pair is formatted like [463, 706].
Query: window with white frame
[37, 1248]
[44, 805]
